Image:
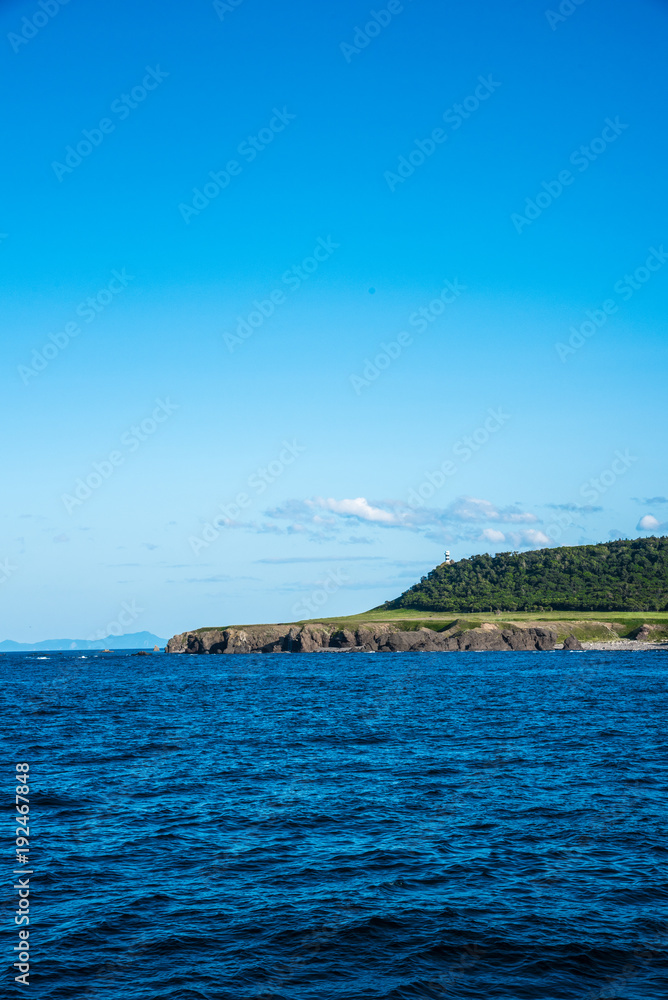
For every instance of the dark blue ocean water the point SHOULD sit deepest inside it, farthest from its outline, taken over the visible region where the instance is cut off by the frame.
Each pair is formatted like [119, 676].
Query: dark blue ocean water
[344, 826]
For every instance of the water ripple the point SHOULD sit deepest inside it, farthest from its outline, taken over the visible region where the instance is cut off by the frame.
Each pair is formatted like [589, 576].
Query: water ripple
[358, 828]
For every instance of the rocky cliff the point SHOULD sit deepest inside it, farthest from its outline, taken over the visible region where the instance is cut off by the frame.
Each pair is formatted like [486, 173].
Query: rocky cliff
[311, 638]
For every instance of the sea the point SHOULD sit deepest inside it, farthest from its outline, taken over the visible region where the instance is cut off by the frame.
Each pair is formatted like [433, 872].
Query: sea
[339, 826]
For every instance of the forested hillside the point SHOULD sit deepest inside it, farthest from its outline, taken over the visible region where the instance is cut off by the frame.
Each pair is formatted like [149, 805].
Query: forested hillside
[613, 576]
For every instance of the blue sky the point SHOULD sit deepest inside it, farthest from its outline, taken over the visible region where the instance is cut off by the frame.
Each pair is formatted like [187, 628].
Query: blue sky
[296, 298]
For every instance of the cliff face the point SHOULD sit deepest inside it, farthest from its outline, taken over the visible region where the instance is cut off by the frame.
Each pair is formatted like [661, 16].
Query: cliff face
[365, 638]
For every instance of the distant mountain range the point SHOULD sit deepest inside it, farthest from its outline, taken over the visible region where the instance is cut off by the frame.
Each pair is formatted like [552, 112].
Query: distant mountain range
[135, 640]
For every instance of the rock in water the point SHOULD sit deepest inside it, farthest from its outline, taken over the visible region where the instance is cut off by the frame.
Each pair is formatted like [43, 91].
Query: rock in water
[571, 642]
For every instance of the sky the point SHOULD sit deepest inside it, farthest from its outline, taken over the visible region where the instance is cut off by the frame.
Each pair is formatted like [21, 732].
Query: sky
[297, 297]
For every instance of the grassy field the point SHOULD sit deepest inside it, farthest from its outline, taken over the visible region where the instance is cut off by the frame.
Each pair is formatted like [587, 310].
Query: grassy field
[403, 614]
[589, 626]
[586, 625]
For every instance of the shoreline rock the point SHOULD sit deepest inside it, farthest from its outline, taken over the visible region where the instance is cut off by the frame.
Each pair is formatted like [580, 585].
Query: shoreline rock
[625, 646]
[381, 637]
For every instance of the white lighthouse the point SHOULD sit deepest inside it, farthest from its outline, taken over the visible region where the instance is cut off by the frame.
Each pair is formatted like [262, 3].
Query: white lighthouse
[448, 560]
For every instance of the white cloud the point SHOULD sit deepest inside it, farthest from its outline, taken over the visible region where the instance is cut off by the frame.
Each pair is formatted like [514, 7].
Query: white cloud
[532, 537]
[529, 538]
[326, 519]
[473, 509]
[360, 508]
[492, 535]
[648, 523]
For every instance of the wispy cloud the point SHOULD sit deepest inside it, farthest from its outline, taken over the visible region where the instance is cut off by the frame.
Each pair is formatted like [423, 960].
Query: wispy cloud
[192, 565]
[493, 535]
[321, 520]
[211, 579]
[575, 508]
[215, 579]
[318, 559]
[471, 509]
[529, 538]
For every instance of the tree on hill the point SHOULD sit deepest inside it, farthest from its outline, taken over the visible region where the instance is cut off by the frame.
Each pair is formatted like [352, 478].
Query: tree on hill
[625, 575]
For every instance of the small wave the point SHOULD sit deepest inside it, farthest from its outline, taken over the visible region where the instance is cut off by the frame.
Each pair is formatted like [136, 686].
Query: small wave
[240, 835]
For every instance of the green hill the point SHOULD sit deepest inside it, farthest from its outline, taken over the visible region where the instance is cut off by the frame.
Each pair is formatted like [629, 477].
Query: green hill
[613, 576]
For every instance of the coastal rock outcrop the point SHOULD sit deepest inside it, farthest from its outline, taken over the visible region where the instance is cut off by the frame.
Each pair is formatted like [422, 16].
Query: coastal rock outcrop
[372, 637]
[649, 633]
[572, 642]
